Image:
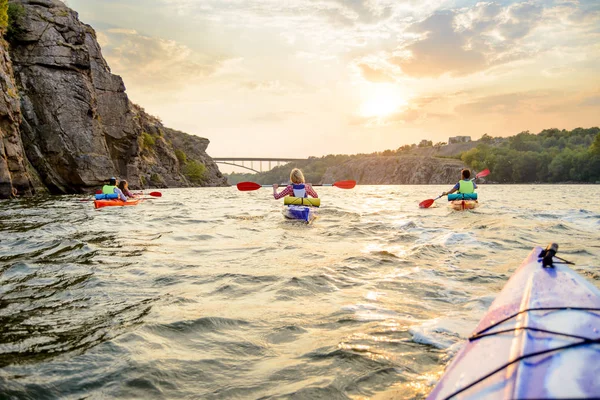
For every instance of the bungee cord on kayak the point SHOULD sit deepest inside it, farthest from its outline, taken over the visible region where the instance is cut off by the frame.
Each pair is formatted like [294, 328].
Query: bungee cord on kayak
[542, 305]
[482, 333]
[520, 358]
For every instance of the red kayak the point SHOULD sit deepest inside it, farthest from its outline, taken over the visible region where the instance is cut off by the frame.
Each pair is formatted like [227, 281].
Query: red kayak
[113, 203]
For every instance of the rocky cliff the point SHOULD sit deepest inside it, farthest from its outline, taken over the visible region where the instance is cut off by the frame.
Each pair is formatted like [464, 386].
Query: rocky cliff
[78, 126]
[13, 163]
[408, 170]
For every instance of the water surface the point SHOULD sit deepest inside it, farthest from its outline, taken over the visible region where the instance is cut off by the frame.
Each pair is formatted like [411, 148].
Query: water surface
[209, 293]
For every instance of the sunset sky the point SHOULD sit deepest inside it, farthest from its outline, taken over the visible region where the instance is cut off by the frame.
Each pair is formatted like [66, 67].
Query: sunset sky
[298, 78]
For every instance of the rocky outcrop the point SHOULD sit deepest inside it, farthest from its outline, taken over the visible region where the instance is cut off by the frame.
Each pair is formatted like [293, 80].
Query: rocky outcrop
[194, 148]
[13, 163]
[409, 170]
[78, 126]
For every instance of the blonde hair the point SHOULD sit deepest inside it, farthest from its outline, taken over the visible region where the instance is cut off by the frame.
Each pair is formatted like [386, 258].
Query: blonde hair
[296, 176]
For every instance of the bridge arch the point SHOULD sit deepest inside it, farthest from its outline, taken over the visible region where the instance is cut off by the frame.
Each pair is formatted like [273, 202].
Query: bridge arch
[239, 162]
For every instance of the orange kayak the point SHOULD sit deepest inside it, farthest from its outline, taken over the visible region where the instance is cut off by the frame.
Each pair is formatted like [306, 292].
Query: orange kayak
[111, 203]
[459, 205]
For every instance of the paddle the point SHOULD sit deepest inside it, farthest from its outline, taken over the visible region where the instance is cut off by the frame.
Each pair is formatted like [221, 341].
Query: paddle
[427, 203]
[248, 186]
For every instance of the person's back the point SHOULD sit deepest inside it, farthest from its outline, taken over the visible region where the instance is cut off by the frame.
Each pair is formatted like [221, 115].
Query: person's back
[298, 188]
[124, 186]
[112, 188]
[465, 185]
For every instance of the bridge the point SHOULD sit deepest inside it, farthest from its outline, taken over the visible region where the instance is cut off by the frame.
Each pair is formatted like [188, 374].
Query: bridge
[240, 162]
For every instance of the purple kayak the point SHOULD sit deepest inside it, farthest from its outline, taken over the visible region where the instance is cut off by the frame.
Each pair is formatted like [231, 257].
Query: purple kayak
[303, 213]
[540, 339]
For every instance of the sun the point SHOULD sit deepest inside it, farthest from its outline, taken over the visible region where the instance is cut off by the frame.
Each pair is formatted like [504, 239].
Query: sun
[382, 100]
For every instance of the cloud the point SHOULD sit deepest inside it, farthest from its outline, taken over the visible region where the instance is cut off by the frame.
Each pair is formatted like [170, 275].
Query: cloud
[592, 101]
[278, 116]
[535, 102]
[274, 87]
[509, 103]
[374, 74]
[407, 115]
[154, 62]
[463, 42]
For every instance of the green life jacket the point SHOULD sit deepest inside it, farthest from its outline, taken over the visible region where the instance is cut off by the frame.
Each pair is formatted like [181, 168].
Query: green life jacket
[465, 187]
[107, 189]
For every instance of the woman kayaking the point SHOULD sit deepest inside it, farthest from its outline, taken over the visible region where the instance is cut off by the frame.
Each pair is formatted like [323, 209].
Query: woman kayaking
[297, 189]
[124, 186]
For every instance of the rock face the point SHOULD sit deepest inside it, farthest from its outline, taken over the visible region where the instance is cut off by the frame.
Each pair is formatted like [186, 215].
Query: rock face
[409, 170]
[13, 163]
[78, 126]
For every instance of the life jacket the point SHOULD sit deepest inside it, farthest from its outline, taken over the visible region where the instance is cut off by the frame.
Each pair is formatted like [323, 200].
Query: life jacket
[108, 189]
[465, 187]
[299, 190]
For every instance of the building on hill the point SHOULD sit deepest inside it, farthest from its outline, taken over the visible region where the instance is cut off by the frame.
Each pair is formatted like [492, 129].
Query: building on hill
[459, 139]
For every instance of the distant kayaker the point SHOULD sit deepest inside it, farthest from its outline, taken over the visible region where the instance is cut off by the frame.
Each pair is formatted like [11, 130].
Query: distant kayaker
[465, 185]
[297, 189]
[112, 188]
[124, 186]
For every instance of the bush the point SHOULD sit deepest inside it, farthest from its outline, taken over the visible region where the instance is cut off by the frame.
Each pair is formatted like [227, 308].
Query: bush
[181, 156]
[3, 15]
[195, 171]
[147, 140]
[14, 12]
[155, 179]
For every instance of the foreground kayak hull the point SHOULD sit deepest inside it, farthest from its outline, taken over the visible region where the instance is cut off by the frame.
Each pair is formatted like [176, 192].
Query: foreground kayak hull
[460, 205]
[500, 362]
[302, 213]
[115, 203]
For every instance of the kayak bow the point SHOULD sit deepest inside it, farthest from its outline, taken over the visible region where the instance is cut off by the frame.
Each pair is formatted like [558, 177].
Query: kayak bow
[539, 339]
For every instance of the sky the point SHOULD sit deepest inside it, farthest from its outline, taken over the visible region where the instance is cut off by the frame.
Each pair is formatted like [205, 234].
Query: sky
[299, 78]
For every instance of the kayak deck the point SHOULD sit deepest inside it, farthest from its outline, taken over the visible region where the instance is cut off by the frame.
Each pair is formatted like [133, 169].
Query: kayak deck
[113, 203]
[302, 213]
[460, 205]
[539, 339]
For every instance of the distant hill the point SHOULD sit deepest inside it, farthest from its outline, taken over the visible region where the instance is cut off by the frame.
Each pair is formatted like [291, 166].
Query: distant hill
[553, 155]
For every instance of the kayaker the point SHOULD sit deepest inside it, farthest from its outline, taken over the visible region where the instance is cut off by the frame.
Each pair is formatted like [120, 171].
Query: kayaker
[465, 185]
[112, 188]
[124, 186]
[297, 189]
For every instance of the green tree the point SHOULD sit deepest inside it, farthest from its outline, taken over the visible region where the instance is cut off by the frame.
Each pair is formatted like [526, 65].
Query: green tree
[195, 171]
[595, 147]
[551, 156]
[486, 138]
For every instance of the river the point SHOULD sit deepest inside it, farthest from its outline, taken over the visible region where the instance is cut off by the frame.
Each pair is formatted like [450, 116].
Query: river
[210, 293]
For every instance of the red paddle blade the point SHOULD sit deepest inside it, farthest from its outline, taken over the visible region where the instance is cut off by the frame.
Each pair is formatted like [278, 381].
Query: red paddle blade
[426, 203]
[483, 173]
[345, 184]
[155, 194]
[247, 186]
